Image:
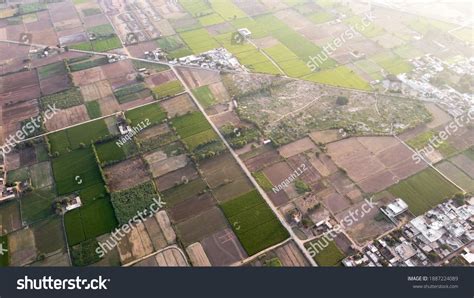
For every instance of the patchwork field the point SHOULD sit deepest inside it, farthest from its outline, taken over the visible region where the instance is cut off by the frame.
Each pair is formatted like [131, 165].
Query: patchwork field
[253, 222]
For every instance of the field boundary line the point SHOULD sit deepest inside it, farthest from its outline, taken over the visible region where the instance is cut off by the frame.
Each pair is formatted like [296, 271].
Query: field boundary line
[173, 246]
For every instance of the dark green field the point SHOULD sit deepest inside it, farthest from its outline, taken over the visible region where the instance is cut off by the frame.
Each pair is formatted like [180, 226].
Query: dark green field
[37, 204]
[128, 202]
[62, 100]
[89, 221]
[110, 152]
[152, 112]
[76, 170]
[254, 222]
[77, 136]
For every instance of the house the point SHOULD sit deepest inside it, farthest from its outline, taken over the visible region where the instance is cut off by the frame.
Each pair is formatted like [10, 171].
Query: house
[244, 32]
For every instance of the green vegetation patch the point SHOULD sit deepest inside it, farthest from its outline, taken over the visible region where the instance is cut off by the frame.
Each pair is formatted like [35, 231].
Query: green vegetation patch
[76, 170]
[51, 70]
[132, 92]
[329, 256]
[128, 202]
[109, 152]
[204, 96]
[253, 222]
[199, 40]
[190, 124]
[167, 89]
[85, 64]
[422, 141]
[423, 191]
[89, 221]
[153, 112]
[37, 204]
[62, 100]
[85, 254]
[93, 109]
[106, 44]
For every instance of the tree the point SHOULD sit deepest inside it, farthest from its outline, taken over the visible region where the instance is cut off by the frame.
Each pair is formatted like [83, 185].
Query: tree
[342, 100]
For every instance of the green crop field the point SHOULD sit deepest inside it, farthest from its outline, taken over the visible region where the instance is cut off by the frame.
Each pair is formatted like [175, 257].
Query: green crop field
[253, 222]
[263, 181]
[153, 112]
[391, 63]
[199, 40]
[131, 92]
[227, 9]
[62, 100]
[196, 7]
[102, 30]
[85, 64]
[330, 255]
[128, 202]
[369, 31]
[51, 70]
[93, 109]
[167, 89]
[76, 170]
[49, 235]
[204, 96]
[106, 44]
[37, 204]
[423, 191]
[90, 221]
[300, 46]
[190, 124]
[211, 19]
[341, 76]
[422, 141]
[202, 137]
[110, 152]
[73, 138]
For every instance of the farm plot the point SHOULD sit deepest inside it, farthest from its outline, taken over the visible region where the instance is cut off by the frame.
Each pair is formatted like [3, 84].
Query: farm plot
[49, 236]
[78, 136]
[109, 152]
[37, 204]
[183, 191]
[62, 100]
[177, 177]
[224, 177]
[10, 219]
[53, 78]
[223, 248]
[456, 175]
[96, 90]
[41, 175]
[192, 206]
[331, 255]
[194, 129]
[374, 163]
[167, 89]
[128, 202]
[89, 221]
[153, 112]
[174, 46]
[118, 175]
[76, 170]
[199, 40]
[200, 226]
[253, 222]
[340, 76]
[465, 162]
[392, 63]
[178, 105]
[423, 191]
[131, 92]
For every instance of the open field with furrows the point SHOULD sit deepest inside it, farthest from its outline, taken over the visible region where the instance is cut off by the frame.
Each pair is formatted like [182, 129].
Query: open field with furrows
[330, 255]
[118, 175]
[253, 222]
[10, 219]
[374, 163]
[286, 110]
[424, 190]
